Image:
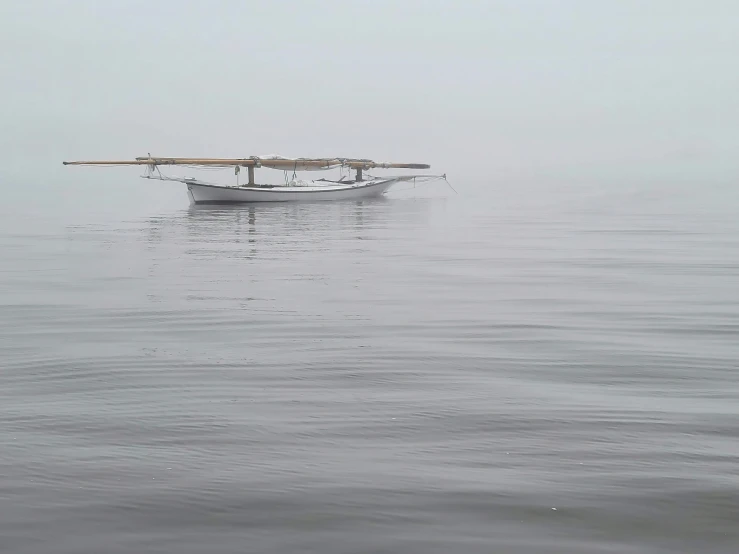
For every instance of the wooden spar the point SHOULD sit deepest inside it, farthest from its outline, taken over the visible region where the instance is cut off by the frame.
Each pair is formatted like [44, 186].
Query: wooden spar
[243, 162]
[388, 165]
[170, 161]
[327, 163]
[287, 164]
[106, 162]
[251, 174]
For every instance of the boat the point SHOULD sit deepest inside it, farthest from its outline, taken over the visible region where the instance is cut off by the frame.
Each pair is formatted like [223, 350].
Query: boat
[362, 185]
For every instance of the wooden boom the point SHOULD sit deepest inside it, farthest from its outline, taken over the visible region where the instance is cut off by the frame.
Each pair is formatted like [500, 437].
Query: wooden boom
[278, 163]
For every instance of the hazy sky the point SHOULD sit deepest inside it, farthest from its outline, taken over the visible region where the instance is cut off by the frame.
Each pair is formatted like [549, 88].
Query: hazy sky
[471, 87]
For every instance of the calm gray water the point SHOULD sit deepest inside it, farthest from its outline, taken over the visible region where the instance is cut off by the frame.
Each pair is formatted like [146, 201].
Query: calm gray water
[519, 369]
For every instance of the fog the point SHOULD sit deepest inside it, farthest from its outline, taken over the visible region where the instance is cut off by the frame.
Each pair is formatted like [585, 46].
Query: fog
[480, 90]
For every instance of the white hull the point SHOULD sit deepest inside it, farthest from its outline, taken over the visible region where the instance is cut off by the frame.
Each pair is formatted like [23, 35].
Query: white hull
[201, 193]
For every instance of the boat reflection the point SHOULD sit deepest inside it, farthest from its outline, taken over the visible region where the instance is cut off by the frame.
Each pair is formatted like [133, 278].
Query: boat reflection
[244, 230]
[286, 222]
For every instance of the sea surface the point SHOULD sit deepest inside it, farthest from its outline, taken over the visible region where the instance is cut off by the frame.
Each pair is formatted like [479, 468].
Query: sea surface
[518, 368]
